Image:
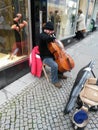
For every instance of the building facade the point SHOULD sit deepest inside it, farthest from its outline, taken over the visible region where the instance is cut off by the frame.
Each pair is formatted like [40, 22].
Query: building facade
[21, 21]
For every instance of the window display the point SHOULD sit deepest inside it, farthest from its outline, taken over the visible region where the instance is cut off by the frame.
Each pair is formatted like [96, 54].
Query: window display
[13, 32]
[97, 18]
[95, 13]
[63, 14]
[90, 12]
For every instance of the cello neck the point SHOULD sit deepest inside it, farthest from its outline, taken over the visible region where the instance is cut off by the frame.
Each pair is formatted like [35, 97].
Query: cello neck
[59, 43]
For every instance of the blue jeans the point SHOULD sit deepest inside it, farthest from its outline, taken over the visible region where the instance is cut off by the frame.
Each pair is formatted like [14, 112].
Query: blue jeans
[54, 69]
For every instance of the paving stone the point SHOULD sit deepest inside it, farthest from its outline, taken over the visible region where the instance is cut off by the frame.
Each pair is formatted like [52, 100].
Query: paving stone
[30, 126]
[40, 108]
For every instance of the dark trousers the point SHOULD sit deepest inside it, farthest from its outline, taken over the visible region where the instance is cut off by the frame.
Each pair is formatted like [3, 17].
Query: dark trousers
[79, 35]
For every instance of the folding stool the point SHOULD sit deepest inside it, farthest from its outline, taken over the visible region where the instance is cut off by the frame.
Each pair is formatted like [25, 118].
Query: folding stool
[44, 70]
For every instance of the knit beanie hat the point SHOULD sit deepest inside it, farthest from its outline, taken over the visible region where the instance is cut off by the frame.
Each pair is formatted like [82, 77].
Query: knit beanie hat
[49, 26]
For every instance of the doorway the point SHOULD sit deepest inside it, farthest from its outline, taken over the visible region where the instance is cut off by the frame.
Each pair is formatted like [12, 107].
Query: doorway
[38, 18]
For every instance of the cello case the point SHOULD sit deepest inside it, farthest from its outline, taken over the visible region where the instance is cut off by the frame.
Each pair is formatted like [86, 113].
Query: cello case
[85, 94]
[64, 60]
[82, 76]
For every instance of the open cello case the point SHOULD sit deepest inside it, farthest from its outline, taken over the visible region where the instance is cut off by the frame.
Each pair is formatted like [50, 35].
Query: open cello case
[83, 97]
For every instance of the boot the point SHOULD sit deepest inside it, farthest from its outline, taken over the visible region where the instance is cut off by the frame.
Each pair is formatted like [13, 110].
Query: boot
[57, 84]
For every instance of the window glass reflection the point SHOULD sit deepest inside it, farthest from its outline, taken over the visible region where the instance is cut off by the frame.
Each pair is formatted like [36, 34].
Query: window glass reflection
[90, 12]
[13, 32]
[63, 15]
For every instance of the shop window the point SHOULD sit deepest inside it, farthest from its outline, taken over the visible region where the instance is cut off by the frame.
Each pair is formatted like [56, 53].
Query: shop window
[90, 12]
[14, 45]
[63, 14]
[97, 18]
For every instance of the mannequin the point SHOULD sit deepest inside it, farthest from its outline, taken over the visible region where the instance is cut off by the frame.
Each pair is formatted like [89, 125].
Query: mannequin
[17, 27]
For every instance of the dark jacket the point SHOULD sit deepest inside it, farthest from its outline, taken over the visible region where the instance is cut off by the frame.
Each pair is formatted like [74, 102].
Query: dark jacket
[44, 40]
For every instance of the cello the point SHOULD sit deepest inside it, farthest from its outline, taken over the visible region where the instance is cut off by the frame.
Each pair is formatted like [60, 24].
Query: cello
[64, 60]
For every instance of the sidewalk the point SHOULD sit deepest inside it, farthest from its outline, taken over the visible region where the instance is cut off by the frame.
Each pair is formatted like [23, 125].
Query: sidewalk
[34, 104]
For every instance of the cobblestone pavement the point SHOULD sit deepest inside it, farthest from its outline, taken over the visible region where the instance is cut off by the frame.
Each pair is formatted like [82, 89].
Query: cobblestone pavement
[40, 107]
